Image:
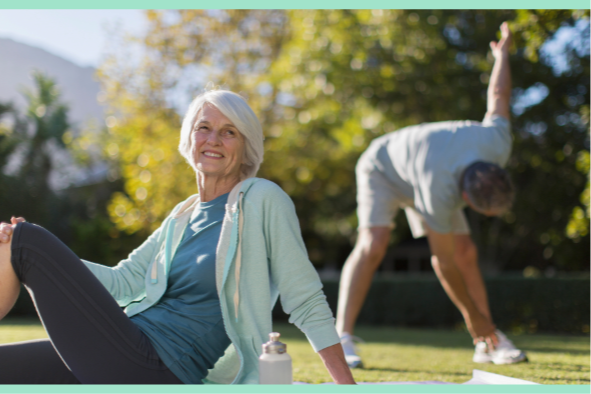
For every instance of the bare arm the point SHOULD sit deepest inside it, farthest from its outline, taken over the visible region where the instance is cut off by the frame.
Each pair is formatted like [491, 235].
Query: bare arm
[499, 88]
[442, 248]
[334, 360]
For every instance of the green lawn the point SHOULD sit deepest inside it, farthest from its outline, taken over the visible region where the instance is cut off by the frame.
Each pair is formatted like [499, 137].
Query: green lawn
[399, 354]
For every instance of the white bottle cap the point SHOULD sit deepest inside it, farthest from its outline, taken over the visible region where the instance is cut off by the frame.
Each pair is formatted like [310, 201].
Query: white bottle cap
[274, 346]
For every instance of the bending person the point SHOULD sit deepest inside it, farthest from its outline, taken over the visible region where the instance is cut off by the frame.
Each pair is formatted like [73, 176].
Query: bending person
[432, 171]
[197, 293]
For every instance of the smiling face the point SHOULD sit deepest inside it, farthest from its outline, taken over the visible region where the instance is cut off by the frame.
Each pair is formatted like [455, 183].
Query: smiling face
[217, 146]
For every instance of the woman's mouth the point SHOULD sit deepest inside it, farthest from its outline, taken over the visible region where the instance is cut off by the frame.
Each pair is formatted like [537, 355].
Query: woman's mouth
[212, 154]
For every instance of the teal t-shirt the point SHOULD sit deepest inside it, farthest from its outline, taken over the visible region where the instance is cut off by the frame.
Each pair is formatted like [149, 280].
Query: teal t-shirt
[186, 326]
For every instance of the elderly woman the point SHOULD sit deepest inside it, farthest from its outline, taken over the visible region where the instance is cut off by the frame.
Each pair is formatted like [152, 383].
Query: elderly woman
[197, 293]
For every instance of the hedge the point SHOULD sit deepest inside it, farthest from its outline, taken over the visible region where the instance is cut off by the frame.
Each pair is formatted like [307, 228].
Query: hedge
[517, 304]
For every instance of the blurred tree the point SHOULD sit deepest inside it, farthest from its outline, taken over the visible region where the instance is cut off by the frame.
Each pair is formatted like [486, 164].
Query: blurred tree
[551, 128]
[325, 83]
[48, 118]
[349, 76]
[28, 145]
[9, 130]
[231, 47]
[30, 141]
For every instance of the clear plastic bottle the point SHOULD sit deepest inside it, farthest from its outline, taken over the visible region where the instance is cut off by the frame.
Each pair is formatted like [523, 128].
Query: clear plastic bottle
[275, 363]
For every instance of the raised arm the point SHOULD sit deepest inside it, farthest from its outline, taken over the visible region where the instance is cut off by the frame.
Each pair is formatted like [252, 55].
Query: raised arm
[499, 88]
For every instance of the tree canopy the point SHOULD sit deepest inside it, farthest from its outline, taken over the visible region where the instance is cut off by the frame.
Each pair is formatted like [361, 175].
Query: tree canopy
[326, 82]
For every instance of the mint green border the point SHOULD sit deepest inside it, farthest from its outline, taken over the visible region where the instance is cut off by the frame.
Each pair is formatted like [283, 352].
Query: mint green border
[306, 389]
[293, 4]
[300, 4]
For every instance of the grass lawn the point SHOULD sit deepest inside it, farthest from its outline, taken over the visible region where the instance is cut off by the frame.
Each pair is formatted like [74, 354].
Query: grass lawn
[401, 354]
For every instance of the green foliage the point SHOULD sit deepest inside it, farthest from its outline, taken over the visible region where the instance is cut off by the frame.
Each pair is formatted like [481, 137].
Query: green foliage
[353, 76]
[325, 83]
[76, 215]
[535, 27]
[231, 46]
[549, 137]
[33, 137]
[8, 133]
[47, 116]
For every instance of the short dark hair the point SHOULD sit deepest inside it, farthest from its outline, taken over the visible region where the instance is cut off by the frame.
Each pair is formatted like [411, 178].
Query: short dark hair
[488, 187]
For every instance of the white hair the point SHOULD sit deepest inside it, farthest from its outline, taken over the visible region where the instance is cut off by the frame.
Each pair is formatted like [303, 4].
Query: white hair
[235, 108]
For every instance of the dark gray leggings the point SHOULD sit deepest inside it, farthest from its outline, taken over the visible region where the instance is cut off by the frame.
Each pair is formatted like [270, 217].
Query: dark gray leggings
[91, 339]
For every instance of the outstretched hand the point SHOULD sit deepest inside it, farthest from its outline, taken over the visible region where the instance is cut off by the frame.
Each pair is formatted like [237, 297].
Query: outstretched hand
[6, 229]
[502, 47]
[482, 330]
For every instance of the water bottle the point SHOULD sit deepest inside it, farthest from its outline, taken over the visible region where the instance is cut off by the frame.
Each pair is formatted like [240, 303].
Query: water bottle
[275, 363]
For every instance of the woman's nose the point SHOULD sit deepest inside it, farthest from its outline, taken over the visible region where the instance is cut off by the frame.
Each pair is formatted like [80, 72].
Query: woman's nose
[213, 138]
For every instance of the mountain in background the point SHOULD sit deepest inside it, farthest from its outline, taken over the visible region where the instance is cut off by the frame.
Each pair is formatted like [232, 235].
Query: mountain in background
[78, 85]
[78, 89]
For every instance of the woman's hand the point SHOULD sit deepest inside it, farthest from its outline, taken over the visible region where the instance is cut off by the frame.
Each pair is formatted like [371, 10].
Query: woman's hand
[6, 229]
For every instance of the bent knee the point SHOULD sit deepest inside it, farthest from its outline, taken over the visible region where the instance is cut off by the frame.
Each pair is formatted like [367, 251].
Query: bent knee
[32, 234]
[30, 243]
[373, 243]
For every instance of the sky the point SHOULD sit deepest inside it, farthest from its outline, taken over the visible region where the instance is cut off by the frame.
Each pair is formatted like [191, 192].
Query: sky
[76, 35]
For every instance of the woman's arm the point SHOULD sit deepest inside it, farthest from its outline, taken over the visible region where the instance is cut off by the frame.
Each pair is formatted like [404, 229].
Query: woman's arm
[334, 360]
[298, 283]
[126, 281]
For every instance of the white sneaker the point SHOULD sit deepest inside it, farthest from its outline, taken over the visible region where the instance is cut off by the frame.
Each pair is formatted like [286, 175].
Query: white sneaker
[348, 343]
[505, 352]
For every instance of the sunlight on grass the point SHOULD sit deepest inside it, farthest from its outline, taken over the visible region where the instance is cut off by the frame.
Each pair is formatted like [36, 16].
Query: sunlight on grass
[399, 354]
[20, 329]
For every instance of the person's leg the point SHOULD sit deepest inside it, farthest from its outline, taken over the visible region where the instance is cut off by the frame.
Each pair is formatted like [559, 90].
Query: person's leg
[33, 362]
[89, 331]
[466, 257]
[376, 208]
[357, 274]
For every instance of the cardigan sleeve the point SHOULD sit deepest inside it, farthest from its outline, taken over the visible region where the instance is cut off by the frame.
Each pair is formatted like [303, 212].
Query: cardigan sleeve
[292, 272]
[126, 281]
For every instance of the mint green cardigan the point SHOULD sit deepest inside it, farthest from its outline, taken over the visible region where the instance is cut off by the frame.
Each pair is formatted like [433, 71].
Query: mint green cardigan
[260, 257]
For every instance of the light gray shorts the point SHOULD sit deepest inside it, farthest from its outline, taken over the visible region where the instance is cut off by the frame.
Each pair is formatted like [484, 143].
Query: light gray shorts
[378, 201]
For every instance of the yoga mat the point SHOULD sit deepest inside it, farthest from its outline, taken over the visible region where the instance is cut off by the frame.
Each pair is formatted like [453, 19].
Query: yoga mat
[478, 377]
